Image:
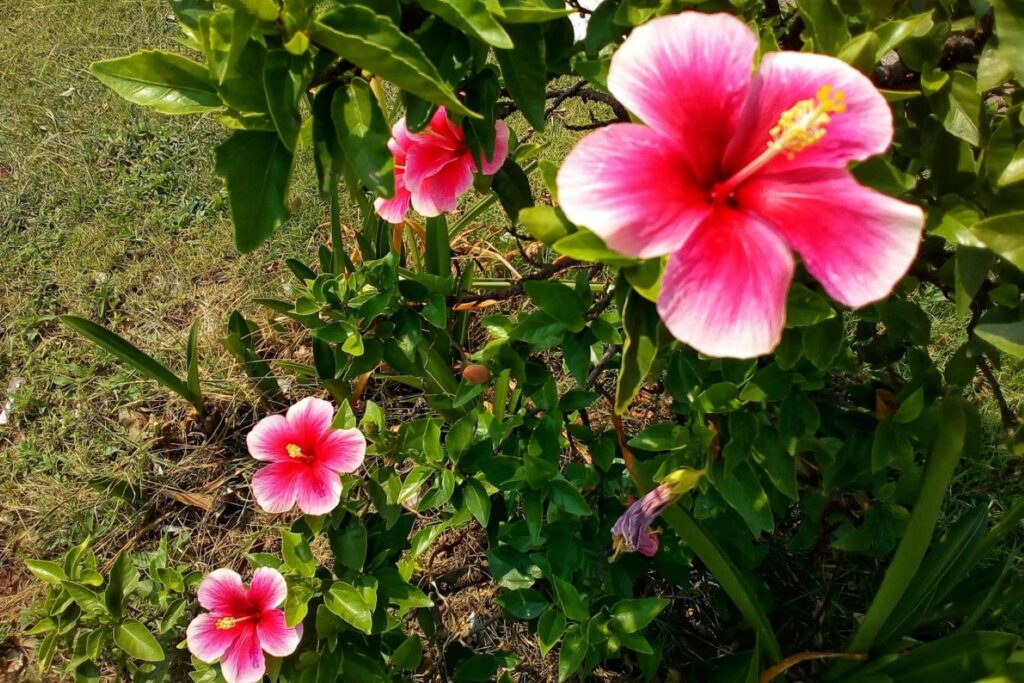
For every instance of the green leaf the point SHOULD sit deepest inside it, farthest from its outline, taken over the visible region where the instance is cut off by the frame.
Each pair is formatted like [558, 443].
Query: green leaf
[363, 134]
[741, 488]
[512, 187]
[559, 301]
[826, 24]
[285, 78]
[1004, 235]
[805, 307]
[956, 658]
[524, 70]
[564, 495]
[1009, 29]
[945, 453]
[586, 246]
[959, 108]
[50, 572]
[132, 355]
[972, 267]
[192, 364]
[574, 649]
[1008, 337]
[477, 500]
[133, 637]
[121, 581]
[549, 629]
[409, 654]
[297, 554]
[167, 82]
[640, 325]
[533, 11]
[569, 600]
[471, 16]
[347, 602]
[256, 167]
[632, 615]
[373, 42]
[661, 437]
[438, 247]
[524, 603]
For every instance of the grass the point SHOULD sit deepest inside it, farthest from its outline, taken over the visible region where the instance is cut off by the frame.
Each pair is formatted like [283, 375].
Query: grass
[113, 213]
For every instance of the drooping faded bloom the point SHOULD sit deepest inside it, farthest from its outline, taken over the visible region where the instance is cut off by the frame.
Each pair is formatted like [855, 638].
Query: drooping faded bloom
[242, 623]
[734, 170]
[306, 456]
[434, 167]
[632, 531]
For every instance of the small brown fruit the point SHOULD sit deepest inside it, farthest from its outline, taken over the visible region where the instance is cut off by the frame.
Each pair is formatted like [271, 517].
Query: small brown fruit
[476, 374]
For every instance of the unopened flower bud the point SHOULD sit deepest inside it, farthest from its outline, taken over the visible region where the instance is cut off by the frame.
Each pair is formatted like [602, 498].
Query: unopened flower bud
[476, 374]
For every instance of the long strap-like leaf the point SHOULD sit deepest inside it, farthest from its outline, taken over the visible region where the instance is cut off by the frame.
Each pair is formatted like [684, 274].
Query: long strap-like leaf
[949, 443]
[132, 355]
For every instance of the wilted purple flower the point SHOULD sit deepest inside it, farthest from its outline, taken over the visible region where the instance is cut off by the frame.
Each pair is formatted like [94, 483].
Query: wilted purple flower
[632, 531]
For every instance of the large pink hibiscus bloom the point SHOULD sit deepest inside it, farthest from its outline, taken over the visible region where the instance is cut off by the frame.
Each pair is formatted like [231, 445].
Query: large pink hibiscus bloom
[732, 172]
[242, 623]
[306, 456]
[434, 167]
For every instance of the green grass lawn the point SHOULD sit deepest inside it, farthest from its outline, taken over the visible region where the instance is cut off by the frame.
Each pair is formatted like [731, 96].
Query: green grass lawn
[113, 213]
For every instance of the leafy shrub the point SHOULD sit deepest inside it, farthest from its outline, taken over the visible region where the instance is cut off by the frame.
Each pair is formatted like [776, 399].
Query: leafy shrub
[544, 405]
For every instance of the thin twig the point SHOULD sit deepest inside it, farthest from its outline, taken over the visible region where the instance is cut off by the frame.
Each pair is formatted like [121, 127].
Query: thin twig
[1005, 413]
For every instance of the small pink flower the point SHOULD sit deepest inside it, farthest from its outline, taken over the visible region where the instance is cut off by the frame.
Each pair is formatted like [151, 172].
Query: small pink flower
[434, 167]
[732, 172]
[242, 624]
[305, 457]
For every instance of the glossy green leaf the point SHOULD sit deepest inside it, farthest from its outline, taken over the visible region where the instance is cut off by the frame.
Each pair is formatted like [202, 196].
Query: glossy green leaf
[256, 168]
[133, 637]
[363, 133]
[50, 572]
[164, 81]
[347, 602]
[524, 70]
[472, 16]
[1004, 235]
[1008, 337]
[373, 42]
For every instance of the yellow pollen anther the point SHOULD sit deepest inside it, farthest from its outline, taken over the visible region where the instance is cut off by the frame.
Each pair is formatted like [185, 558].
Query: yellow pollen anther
[226, 623]
[803, 124]
[294, 451]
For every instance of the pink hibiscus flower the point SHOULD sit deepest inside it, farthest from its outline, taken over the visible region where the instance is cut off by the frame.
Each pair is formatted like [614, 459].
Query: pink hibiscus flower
[242, 623]
[306, 456]
[434, 167]
[735, 170]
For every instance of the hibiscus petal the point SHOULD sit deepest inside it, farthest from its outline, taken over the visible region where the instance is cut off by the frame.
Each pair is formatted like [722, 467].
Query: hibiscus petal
[783, 79]
[724, 291]
[275, 636]
[440, 192]
[341, 450]
[400, 141]
[857, 242]
[207, 642]
[276, 486]
[244, 661]
[319, 491]
[630, 185]
[393, 210]
[269, 438]
[490, 167]
[223, 593]
[267, 589]
[686, 75]
[311, 417]
[428, 157]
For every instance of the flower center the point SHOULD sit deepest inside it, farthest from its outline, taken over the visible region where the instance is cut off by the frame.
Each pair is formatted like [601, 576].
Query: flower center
[225, 623]
[294, 451]
[799, 127]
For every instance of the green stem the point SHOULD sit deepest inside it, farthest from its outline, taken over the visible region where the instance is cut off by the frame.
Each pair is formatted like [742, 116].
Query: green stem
[336, 240]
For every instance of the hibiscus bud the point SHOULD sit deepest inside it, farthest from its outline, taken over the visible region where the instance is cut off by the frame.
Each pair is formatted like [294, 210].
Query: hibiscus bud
[476, 374]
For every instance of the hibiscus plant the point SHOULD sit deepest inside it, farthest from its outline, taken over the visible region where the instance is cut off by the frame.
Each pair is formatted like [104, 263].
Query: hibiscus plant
[673, 395]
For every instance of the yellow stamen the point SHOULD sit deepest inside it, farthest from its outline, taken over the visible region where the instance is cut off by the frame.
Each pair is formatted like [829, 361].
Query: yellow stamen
[294, 451]
[226, 623]
[804, 123]
[799, 127]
